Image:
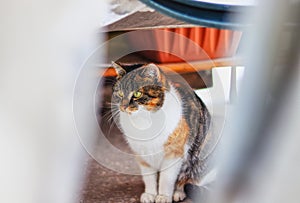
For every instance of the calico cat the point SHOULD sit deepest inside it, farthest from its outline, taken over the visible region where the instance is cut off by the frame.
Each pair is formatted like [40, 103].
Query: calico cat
[166, 124]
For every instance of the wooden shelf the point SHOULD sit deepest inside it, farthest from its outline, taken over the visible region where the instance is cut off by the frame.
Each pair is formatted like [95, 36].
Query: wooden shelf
[190, 67]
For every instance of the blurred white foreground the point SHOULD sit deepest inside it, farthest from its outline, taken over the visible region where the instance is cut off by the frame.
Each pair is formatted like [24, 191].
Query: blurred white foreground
[43, 44]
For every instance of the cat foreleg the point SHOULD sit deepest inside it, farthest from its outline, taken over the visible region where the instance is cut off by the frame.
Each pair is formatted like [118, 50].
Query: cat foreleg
[150, 180]
[167, 178]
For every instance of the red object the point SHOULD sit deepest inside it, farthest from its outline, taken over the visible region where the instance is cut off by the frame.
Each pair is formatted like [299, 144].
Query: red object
[209, 43]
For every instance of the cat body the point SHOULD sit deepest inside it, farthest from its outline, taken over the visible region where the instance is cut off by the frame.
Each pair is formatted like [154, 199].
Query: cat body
[166, 126]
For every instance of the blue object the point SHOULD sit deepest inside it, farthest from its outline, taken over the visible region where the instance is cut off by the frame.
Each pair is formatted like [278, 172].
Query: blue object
[202, 13]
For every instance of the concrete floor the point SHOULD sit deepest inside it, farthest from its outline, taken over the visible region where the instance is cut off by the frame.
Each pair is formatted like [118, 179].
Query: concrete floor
[105, 185]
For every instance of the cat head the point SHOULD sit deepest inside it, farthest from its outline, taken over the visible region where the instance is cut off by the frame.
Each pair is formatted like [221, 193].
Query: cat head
[144, 87]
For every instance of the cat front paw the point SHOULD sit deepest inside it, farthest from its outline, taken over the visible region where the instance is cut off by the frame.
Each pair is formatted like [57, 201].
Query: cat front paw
[179, 195]
[147, 198]
[163, 199]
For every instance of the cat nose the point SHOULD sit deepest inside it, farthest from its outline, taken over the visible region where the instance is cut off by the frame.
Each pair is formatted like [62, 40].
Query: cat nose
[123, 107]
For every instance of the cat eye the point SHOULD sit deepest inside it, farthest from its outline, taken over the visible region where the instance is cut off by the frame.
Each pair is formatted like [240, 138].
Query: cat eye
[137, 94]
[120, 93]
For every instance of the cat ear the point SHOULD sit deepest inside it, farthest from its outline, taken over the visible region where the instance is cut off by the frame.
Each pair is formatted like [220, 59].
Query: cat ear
[119, 70]
[151, 70]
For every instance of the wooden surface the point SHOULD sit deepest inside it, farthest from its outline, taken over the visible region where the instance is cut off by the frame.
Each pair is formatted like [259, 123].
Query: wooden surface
[145, 20]
[197, 73]
[187, 67]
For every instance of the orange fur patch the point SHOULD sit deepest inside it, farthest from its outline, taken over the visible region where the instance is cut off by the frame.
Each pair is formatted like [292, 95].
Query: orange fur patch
[152, 104]
[174, 147]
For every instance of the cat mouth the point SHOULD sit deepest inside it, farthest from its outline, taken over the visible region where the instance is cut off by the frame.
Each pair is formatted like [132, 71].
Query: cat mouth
[143, 125]
[130, 111]
[135, 112]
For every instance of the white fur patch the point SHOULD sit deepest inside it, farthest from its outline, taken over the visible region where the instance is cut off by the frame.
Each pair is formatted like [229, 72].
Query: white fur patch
[146, 132]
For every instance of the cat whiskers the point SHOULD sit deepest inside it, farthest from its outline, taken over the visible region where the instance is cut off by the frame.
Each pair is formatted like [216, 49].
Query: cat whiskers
[111, 103]
[111, 117]
[109, 114]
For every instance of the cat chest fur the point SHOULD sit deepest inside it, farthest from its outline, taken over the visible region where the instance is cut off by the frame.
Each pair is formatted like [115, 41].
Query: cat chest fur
[148, 133]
